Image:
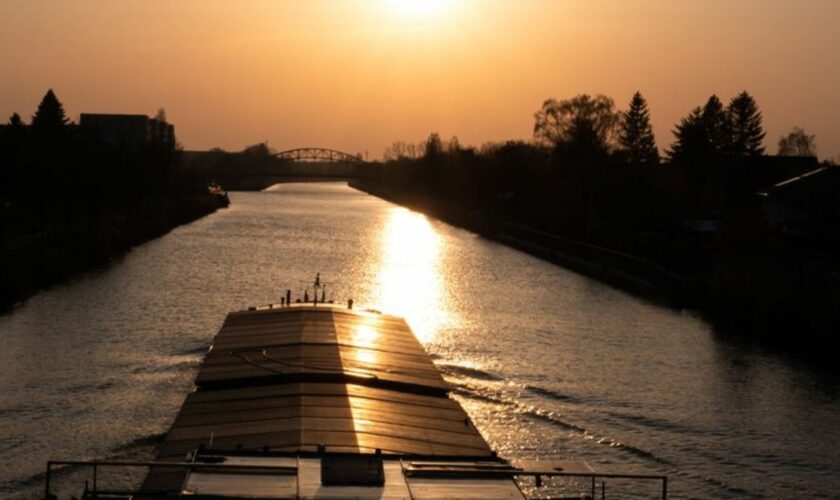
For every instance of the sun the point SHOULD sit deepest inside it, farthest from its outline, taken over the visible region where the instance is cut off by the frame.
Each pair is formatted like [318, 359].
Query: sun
[416, 10]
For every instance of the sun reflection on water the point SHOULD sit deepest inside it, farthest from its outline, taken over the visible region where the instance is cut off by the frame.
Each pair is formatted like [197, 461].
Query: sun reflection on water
[409, 273]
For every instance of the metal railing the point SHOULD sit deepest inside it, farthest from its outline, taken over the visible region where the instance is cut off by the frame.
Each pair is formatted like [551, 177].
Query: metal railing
[594, 476]
[199, 466]
[455, 470]
[501, 471]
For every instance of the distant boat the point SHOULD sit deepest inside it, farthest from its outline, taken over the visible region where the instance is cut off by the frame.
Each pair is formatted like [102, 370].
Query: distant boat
[216, 190]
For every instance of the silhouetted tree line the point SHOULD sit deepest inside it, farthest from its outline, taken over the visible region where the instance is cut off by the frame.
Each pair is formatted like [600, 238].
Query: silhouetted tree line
[53, 159]
[73, 195]
[714, 208]
[594, 172]
[54, 175]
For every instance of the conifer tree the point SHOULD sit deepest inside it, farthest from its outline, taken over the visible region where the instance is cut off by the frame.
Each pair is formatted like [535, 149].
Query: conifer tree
[636, 135]
[716, 123]
[705, 133]
[49, 119]
[692, 140]
[16, 130]
[15, 121]
[745, 122]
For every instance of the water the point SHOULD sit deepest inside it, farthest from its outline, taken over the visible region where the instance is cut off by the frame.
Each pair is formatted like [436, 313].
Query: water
[548, 363]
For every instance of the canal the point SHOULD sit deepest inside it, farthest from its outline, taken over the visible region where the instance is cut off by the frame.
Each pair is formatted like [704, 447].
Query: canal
[549, 364]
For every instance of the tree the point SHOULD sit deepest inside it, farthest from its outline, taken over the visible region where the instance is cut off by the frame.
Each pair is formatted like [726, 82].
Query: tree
[16, 131]
[692, 141]
[395, 151]
[49, 119]
[15, 121]
[636, 135]
[434, 146]
[580, 122]
[716, 125]
[259, 150]
[12, 141]
[703, 134]
[747, 133]
[797, 143]
[161, 116]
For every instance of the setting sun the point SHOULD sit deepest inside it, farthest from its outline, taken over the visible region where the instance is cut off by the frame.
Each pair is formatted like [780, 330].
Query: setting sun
[417, 9]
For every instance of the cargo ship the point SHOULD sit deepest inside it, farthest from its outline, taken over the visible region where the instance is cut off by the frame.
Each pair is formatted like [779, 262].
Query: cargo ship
[312, 400]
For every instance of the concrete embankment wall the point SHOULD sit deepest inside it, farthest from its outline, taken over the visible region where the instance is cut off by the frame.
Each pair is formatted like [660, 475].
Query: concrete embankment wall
[30, 263]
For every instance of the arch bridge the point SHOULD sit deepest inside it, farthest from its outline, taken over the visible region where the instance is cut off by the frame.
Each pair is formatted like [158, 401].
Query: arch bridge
[318, 155]
[301, 165]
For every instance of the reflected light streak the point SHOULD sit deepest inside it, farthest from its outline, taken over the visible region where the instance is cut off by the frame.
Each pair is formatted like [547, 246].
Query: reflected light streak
[362, 335]
[409, 274]
[365, 336]
[365, 357]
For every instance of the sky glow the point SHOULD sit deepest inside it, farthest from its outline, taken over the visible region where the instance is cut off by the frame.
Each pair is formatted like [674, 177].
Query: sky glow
[356, 75]
[417, 10]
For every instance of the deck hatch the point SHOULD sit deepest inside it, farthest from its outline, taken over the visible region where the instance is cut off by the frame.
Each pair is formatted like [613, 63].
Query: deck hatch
[352, 470]
[256, 483]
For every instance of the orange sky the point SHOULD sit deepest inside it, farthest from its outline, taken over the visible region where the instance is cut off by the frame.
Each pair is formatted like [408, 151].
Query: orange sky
[356, 75]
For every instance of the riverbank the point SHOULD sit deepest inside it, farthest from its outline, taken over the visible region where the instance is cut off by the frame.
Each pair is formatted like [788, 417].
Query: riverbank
[627, 271]
[783, 300]
[32, 262]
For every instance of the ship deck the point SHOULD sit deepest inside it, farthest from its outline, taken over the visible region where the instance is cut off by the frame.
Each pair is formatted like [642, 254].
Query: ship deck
[308, 379]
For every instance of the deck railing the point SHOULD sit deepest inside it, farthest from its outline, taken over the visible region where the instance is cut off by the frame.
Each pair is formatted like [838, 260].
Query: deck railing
[202, 466]
[443, 472]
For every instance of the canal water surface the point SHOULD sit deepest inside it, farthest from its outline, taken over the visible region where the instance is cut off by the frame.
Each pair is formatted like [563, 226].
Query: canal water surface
[549, 364]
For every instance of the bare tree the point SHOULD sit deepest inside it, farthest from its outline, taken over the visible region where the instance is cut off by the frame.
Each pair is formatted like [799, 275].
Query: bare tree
[797, 143]
[434, 146]
[395, 151]
[580, 121]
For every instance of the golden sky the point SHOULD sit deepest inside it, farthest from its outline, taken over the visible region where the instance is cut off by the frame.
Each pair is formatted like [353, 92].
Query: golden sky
[356, 75]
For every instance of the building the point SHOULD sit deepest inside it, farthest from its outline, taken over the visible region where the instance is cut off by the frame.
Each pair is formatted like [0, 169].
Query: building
[131, 132]
[805, 207]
